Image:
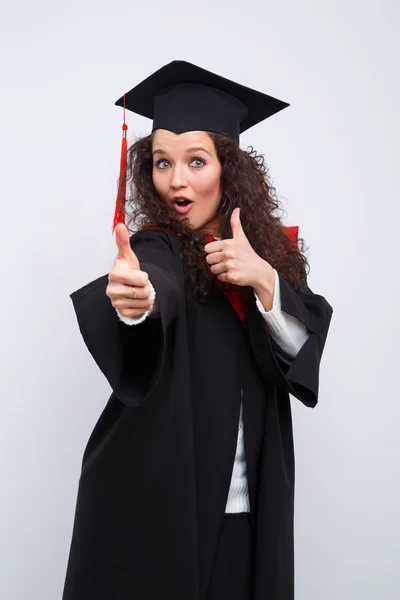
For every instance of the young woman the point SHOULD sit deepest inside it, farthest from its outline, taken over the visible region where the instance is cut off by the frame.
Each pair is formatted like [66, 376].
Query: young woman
[203, 327]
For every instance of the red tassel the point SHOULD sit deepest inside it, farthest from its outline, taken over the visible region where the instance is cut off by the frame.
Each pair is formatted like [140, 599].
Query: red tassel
[119, 214]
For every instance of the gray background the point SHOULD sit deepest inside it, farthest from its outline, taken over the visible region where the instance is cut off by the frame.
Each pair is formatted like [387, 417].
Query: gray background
[333, 156]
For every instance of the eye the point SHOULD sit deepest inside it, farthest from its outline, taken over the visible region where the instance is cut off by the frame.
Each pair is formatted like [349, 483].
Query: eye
[159, 163]
[198, 160]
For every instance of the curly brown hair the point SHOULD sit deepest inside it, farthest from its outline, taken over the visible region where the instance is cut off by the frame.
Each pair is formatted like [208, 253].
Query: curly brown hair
[245, 184]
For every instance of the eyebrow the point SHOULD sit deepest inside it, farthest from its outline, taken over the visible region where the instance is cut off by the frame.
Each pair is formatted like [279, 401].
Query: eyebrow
[191, 149]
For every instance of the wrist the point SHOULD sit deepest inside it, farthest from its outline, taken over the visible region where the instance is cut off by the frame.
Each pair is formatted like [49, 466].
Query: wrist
[265, 280]
[264, 286]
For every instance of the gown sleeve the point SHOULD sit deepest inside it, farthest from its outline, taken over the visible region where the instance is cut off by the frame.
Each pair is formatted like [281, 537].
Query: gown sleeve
[132, 358]
[299, 376]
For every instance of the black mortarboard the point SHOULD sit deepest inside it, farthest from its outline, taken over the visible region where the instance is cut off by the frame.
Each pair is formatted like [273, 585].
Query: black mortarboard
[184, 97]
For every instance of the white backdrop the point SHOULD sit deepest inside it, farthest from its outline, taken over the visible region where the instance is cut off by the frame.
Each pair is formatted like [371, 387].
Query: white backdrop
[333, 156]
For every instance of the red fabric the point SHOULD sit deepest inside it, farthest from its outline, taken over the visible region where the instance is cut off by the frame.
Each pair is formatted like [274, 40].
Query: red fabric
[292, 233]
[119, 214]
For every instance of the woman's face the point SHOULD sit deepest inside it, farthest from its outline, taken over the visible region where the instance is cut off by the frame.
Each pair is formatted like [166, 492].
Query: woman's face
[187, 176]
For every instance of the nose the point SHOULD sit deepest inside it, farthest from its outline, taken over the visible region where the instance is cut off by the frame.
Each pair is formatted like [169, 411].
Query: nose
[178, 177]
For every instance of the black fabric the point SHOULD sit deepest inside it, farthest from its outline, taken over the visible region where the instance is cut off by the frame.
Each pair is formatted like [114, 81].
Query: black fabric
[181, 96]
[232, 571]
[194, 107]
[157, 467]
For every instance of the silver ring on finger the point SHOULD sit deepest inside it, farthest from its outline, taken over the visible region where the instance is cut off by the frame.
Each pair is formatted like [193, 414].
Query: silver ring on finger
[134, 293]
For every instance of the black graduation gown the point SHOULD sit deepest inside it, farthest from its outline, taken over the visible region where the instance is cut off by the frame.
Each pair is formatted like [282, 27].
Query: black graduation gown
[156, 470]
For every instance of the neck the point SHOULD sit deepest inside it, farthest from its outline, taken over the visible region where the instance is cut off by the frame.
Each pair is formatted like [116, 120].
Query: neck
[213, 227]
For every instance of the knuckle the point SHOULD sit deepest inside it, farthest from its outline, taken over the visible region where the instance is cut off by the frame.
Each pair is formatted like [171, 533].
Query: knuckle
[110, 291]
[231, 276]
[138, 279]
[113, 275]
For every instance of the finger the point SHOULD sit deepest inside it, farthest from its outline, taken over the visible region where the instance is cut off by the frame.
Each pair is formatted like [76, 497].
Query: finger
[229, 277]
[219, 268]
[129, 303]
[128, 277]
[128, 291]
[236, 226]
[215, 258]
[125, 251]
[214, 247]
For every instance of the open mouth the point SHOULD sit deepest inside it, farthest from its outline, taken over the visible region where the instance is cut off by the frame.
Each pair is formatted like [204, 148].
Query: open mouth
[182, 205]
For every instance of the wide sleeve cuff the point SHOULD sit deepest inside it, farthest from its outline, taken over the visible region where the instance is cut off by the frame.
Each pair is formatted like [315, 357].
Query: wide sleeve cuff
[301, 377]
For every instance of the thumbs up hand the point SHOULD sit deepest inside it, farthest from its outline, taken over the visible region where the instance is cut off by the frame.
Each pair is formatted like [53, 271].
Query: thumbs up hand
[236, 225]
[125, 252]
[235, 261]
[128, 287]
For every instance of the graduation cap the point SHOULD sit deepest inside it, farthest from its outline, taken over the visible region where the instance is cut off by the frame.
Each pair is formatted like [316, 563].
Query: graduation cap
[183, 97]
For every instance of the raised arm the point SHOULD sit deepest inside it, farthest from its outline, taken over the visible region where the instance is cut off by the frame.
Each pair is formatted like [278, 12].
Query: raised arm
[131, 358]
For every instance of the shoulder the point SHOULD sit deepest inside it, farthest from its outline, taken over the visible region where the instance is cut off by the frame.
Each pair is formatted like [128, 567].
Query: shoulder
[157, 239]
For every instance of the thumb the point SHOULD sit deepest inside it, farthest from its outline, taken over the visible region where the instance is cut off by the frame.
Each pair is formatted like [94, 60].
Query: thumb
[236, 226]
[125, 251]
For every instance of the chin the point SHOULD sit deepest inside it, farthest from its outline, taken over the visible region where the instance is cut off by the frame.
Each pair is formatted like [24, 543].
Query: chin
[185, 221]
